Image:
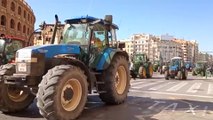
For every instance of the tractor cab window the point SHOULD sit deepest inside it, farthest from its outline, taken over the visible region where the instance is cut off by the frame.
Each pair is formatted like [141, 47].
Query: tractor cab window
[199, 65]
[175, 62]
[139, 58]
[98, 37]
[2, 42]
[76, 34]
[112, 38]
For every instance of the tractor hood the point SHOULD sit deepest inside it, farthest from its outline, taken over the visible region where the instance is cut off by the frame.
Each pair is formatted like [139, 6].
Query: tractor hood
[173, 68]
[49, 50]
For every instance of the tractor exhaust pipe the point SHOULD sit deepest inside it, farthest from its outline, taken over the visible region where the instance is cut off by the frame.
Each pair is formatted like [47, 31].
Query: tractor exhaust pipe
[54, 30]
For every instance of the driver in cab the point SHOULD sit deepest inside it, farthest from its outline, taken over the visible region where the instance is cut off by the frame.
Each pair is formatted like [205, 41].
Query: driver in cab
[96, 41]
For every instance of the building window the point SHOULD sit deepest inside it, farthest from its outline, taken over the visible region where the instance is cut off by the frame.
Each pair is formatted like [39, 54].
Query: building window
[24, 29]
[28, 31]
[19, 10]
[19, 26]
[12, 24]
[4, 3]
[25, 14]
[3, 20]
[12, 7]
[28, 17]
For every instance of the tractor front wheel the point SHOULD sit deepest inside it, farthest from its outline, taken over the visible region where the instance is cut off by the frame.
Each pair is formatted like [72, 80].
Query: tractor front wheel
[13, 98]
[117, 81]
[62, 93]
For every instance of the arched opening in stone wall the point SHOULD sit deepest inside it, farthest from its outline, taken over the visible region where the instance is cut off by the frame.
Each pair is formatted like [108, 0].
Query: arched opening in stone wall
[12, 24]
[4, 3]
[24, 29]
[13, 6]
[25, 14]
[19, 26]
[19, 10]
[28, 31]
[3, 20]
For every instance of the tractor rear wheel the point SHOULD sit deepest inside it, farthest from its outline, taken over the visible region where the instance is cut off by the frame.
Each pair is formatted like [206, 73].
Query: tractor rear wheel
[185, 74]
[62, 93]
[142, 72]
[166, 75]
[149, 75]
[13, 98]
[180, 75]
[117, 81]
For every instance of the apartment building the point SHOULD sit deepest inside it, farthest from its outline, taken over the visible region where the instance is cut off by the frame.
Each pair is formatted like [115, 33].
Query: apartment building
[189, 49]
[164, 46]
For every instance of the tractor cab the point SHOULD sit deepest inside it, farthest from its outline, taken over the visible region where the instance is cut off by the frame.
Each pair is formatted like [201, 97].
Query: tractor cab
[176, 64]
[8, 48]
[92, 35]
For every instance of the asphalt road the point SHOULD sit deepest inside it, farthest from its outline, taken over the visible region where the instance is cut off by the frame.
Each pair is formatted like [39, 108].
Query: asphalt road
[149, 99]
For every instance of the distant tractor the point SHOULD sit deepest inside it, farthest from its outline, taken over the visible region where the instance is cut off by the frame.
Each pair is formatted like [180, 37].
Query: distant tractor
[189, 65]
[8, 47]
[176, 69]
[61, 76]
[200, 68]
[156, 66]
[142, 67]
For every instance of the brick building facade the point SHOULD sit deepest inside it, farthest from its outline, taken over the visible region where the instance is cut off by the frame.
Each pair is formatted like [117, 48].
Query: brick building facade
[16, 19]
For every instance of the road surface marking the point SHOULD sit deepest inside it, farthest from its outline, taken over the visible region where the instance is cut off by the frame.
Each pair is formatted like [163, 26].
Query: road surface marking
[210, 89]
[136, 83]
[205, 111]
[194, 88]
[161, 86]
[173, 105]
[174, 94]
[146, 85]
[177, 87]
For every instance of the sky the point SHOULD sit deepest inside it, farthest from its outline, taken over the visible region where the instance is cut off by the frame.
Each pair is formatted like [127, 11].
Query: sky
[187, 19]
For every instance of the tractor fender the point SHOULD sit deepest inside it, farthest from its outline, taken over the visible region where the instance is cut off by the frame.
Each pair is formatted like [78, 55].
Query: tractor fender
[107, 56]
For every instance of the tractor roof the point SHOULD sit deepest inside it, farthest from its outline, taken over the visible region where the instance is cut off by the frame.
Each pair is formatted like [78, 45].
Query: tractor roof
[202, 61]
[176, 58]
[88, 19]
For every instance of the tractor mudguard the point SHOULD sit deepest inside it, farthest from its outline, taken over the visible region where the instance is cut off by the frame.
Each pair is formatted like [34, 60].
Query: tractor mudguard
[107, 56]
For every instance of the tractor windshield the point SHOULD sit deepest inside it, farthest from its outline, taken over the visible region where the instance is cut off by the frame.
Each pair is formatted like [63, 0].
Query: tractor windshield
[139, 58]
[76, 34]
[175, 62]
[199, 65]
[2, 43]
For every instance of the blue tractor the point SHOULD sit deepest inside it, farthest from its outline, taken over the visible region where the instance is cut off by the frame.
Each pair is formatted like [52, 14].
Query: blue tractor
[176, 69]
[61, 75]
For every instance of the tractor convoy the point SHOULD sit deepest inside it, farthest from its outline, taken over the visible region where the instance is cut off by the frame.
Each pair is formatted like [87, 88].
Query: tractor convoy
[60, 76]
